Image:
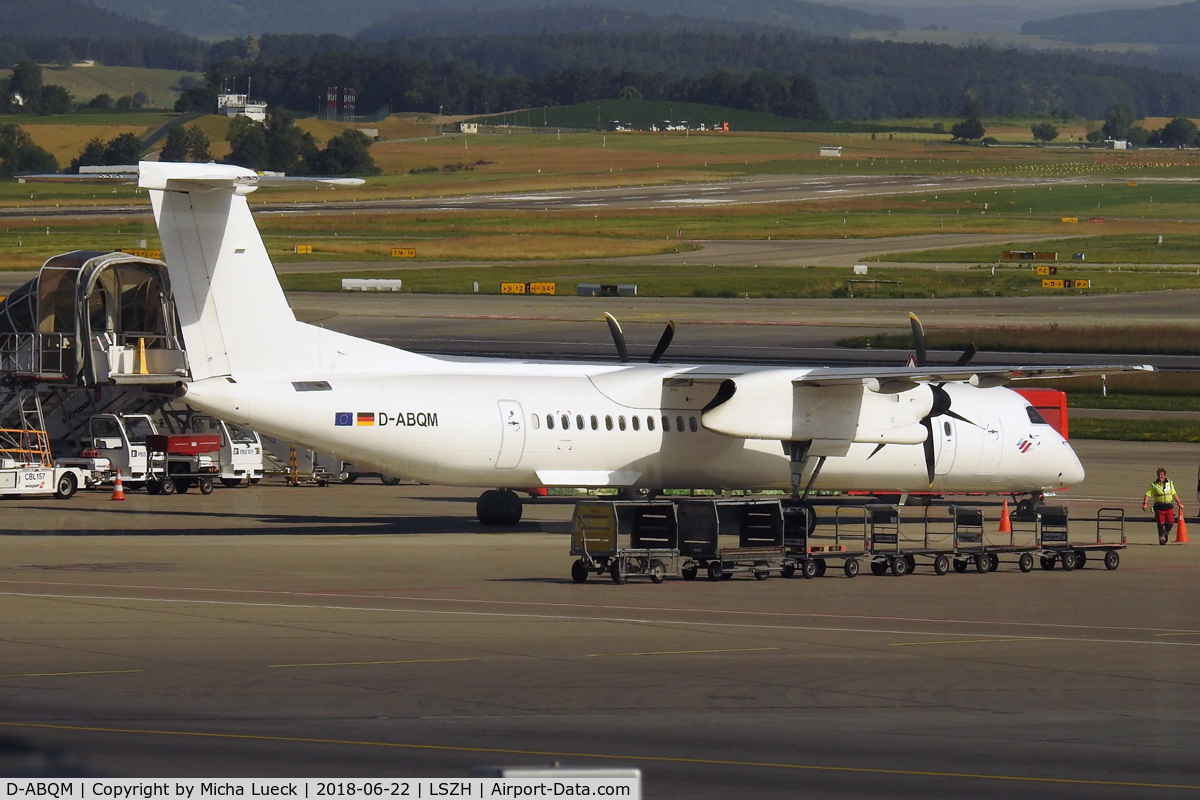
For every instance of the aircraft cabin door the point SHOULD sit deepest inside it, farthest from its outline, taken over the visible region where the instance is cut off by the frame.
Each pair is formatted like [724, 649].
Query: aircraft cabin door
[512, 434]
[945, 429]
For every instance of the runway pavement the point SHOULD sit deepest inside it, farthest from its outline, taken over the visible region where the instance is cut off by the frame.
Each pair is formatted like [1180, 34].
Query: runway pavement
[374, 631]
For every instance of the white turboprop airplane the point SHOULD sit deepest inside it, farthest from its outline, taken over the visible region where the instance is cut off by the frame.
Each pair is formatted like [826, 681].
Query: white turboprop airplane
[511, 423]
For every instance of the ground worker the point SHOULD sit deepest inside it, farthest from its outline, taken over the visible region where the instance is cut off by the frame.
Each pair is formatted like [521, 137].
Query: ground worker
[1162, 492]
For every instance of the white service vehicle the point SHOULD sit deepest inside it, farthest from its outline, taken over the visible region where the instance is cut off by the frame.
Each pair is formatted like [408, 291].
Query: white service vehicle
[26, 468]
[241, 457]
[163, 464]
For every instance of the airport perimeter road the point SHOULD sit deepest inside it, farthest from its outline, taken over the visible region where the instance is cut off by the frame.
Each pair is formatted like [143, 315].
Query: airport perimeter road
[373, 631]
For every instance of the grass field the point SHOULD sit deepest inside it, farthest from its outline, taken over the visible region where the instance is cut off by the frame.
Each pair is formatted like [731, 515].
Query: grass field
[161, 86]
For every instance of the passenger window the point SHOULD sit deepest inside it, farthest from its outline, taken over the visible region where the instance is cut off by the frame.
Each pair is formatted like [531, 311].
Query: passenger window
[649, 423]
[579, 421]
[666, 424]
[536, 421]
[636, 424]
[608, 422]
[679, 424]
[692, 424]
[1035, 417]
[566, 421]
[621, 422]
[549, 422]
[595, 423]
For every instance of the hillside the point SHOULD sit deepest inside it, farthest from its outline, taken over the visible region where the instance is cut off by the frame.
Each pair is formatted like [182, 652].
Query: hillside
[1165, 25]
[52, 19]
[223, 19]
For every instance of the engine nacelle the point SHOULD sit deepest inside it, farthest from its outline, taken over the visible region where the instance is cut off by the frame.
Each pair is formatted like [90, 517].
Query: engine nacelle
[769, 405]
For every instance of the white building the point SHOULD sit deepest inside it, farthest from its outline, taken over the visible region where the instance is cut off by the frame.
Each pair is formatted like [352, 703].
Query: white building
[239, 105]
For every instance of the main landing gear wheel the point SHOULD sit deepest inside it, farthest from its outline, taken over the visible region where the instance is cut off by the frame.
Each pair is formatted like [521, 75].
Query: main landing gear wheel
[498, 507]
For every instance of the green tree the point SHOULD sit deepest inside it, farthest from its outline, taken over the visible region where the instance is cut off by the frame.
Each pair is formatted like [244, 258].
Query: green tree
[1118, 121]
[197, 145]
[345, 154]
[1044, 131]
[26, 81]
[967, 130]
[248, 140]
[1179, 132]
[102, 101]
[175, 146]
[19, 155]
[56, 100]
[289, 148]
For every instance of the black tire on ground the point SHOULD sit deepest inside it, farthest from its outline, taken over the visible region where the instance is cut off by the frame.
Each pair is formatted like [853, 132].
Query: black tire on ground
[1025, 562]
[388, 480]
[941, 565]
[689, 573]
[66, 486]
[167, 486]
[1112, 560]
[715, 571]
[579, 571]
[850, 567]
[808, 568]
[206, 485]
[231, 483]
[615, 572]
[899, 566]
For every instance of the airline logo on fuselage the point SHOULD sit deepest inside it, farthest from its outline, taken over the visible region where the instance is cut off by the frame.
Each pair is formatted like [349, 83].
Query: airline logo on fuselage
[382, 419]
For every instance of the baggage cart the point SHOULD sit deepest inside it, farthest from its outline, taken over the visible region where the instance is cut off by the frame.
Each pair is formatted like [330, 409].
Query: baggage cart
[1056, 547]
[624, 539]
[809, 552]
[726, 537]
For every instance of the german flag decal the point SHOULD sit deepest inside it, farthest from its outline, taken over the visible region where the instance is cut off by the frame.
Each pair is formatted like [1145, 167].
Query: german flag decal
[364, 418]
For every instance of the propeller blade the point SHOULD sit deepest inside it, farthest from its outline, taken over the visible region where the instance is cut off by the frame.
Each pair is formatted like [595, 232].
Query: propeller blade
[664, 342]
[928, 447]
[618, 336]
[918, 332]
[967, 355]
[961, 418]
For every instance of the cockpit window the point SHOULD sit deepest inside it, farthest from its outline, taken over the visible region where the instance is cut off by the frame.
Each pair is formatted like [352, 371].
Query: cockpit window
[1035, 417]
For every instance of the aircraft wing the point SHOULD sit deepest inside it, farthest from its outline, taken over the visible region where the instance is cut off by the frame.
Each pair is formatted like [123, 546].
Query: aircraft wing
[880, 405]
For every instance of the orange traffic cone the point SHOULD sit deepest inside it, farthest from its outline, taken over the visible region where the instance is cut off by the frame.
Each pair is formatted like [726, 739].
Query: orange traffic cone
[118, 489]
[1181, 536]
[1005, 524]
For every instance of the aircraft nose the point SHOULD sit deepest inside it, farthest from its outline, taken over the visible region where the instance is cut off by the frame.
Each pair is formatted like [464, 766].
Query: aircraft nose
[1070, 469]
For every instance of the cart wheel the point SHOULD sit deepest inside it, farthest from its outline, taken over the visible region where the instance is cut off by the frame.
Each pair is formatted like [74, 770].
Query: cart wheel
[1112, 559]
[167, 486]
[761, 573]
[1025, 562]
[579, 571]
[787, 570]
[808, 568]
[1080, 558]
[181, 484]
[993, 562]
[1068, 560]
[821, 566]
[615, 572]
[715, 570]
[899, 566]
[206, 486]
[727, 575]
[960, 565]
[231, 483]
[152, 487]
[66, 486]
[689, 572]
[879, 567]
[851, 567]
[658, 572]
[1048, 562]
[941, 565]
[982, 562]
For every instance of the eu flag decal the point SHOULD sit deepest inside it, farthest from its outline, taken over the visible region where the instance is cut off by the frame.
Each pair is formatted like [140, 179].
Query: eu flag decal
[343, 419]
[365, 418]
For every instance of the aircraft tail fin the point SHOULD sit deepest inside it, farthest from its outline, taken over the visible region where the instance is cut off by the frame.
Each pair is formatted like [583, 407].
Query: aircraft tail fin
[232, 311]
